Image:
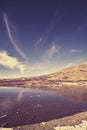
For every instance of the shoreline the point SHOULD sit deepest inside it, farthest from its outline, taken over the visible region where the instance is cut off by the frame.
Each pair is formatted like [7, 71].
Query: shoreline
[74, 122]
[53, 124]
[56, 124]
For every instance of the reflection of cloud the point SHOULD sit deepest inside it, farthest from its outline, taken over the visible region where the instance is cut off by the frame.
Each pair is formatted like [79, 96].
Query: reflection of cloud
[10, 62]
[19, 97]
[13, 41]
[75, 51]
[50, 52]
[3, 116]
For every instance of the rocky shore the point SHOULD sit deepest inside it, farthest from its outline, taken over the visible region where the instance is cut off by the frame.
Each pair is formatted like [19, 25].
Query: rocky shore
[67, 122]
[74, 122]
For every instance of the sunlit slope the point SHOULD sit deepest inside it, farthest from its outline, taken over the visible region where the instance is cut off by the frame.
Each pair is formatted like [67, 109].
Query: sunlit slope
[72, 73]
[75, 75]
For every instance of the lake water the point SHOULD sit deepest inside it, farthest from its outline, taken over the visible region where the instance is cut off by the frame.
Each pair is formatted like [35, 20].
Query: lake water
[22, 106]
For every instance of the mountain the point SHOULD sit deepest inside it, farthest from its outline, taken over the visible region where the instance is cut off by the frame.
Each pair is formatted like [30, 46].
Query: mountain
[75, 75]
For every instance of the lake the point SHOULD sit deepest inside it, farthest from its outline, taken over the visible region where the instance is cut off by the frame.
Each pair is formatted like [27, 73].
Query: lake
[22, 106]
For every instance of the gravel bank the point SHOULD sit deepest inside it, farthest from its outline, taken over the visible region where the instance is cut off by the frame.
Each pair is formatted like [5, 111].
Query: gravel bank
[75, 122]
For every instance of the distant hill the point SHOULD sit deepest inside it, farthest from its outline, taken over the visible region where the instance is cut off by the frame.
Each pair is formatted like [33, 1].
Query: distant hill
[75, 75]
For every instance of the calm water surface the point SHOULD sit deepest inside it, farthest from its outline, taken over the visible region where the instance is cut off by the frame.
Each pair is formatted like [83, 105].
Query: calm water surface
[21, 106]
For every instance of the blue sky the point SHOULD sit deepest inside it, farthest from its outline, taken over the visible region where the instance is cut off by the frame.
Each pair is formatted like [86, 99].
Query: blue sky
[41, 37]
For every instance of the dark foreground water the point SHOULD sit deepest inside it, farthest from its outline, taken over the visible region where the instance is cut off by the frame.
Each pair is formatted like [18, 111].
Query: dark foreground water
[21, 106]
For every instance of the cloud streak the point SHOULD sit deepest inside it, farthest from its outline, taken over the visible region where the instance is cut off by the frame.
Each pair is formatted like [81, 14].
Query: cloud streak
[11, 62]
[50, 52]
[75, 51]
[38, 42]
[13, 41]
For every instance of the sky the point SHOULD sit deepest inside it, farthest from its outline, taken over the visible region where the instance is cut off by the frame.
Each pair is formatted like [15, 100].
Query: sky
[40, 37]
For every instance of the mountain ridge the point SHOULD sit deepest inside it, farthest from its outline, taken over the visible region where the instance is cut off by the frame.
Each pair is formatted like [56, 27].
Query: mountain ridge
[75, 75]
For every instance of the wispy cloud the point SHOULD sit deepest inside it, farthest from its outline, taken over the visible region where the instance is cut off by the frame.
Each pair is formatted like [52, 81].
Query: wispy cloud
[38, 42]
[77, 61]
[50, 52]
[56, 18]
[70, 64]
[36, 67]
[10, 62]
[12, 39]
[75, 51]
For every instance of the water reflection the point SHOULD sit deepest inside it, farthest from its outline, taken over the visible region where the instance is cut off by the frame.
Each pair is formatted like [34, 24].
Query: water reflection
[20, 106]
[75, 93]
